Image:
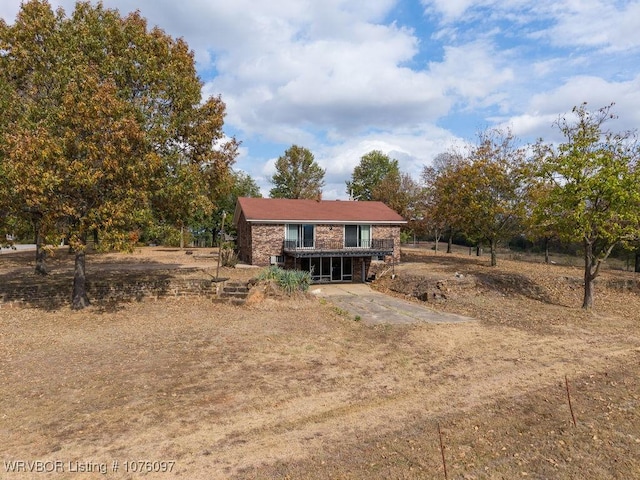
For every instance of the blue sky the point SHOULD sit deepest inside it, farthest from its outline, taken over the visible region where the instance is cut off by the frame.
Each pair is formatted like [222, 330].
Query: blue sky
[409, 77]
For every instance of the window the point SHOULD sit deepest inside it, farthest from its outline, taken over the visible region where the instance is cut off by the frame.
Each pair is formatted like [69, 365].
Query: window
[277, 260]
[357, 236]
[302, 235]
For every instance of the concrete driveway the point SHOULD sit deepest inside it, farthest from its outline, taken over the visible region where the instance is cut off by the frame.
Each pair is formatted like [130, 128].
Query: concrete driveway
[374, 307]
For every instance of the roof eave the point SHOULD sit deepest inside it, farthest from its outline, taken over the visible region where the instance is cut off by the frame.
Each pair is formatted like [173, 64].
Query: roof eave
[342, 222]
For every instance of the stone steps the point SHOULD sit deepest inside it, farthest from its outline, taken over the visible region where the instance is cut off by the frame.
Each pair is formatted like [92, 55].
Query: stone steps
[234, 293]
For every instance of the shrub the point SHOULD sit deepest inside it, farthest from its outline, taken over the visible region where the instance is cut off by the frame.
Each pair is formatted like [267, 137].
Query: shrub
[290, 281]
[228, 257]
[270, 273]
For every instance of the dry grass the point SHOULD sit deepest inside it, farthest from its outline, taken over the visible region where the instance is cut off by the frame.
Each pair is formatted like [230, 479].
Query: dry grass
[293, 389]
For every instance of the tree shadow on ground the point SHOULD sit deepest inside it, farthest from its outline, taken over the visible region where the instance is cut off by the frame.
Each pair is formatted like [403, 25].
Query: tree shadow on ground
[513, 284]
[486, 277]
[444, 259]
[107, 288]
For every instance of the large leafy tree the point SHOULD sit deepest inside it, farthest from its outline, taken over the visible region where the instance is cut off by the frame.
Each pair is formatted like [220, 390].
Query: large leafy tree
[479, 193]
[107, 127]
[593, 196]
[538, 221]
[297, 175]
[403, 194]
[373, 168]
[5, 187]
[31, 94]
[491, 186]
[442, 212]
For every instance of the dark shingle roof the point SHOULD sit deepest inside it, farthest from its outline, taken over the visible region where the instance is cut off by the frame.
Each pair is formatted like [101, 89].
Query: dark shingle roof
[281, 210]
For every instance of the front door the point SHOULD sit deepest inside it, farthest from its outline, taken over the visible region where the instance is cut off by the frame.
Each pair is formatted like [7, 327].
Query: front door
[336, 269]
[347, 269]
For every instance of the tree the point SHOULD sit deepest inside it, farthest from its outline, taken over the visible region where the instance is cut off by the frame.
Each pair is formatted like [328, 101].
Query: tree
[491, 186]
[16, 103]
[479, 194]
[243, 186]
[297, 175]
[594, 196]
[404, 195]
[374, 167]
[5, 186]
[107, 126]
[538, 221]
[442, 212]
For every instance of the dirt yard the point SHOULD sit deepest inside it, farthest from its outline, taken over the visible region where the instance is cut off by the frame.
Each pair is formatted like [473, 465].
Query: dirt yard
[183, 388]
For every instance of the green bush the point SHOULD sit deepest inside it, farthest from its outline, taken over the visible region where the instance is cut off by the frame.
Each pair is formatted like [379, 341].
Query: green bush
[270, 273]
[406, 237]
[289, 280]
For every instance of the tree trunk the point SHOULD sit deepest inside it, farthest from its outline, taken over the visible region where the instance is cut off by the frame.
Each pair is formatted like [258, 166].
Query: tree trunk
[41, 257]
[637, 264]
[587, 302]
[41, 254]
[478, 250]
[494, 254]
[79, 298]
[450, 242]
[546, 250]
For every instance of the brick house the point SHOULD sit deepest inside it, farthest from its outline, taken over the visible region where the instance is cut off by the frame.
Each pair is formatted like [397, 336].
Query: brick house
[336, 240]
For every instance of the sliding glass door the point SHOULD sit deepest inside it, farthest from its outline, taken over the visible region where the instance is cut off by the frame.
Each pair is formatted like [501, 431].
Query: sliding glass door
[357, 236]
[328, 269]
[302, 235]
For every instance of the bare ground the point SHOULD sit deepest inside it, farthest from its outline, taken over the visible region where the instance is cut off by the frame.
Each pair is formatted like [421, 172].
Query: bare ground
[294, 389]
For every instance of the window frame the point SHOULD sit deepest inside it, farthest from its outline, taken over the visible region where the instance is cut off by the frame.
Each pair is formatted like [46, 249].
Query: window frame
[301, 234]
[361, 241]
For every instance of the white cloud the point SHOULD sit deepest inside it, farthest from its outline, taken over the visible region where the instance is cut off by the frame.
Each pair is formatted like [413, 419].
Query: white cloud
[413, 148]
[612, 26]
[449, 9]
[343, 78]
[602, 24]
[546, 107]
[473, 71]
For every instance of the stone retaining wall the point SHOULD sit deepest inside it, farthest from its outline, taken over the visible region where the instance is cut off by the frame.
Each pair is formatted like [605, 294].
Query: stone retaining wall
[51, 292]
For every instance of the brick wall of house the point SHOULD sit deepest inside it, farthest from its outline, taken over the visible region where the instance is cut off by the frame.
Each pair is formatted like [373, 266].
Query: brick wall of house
[389, 231]
[258, 242]
[331, 233]
[244, 239]
[357, 268]
[268, 240]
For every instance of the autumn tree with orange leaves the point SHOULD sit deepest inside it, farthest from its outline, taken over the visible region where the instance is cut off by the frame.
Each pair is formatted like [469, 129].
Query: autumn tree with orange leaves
[105, 129]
